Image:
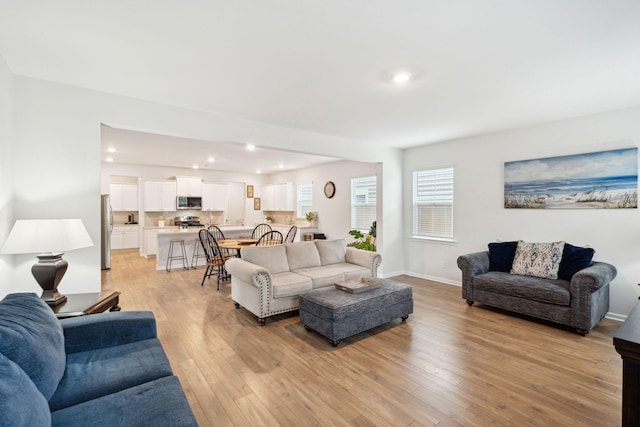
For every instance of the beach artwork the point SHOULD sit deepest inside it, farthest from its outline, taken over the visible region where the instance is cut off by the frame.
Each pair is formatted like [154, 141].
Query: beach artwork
[602, 180]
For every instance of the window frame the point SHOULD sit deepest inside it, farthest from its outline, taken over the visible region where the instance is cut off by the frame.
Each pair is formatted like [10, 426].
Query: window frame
[299, 212]
[440, 182]
[355, 222]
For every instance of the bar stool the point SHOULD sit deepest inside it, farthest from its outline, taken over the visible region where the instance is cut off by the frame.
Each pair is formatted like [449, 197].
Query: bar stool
[181, 256]
[197, 253]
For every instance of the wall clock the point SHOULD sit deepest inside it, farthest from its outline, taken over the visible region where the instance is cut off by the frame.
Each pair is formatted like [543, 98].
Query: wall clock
[329, 189]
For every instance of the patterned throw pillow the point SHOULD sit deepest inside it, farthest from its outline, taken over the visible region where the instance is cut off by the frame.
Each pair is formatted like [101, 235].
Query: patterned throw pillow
[538, 259]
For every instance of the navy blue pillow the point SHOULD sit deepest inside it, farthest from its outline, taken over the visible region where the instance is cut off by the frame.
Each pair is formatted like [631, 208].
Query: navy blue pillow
[501, 256]
[574, 259]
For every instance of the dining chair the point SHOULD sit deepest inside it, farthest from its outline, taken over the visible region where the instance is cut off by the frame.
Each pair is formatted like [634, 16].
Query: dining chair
[291, 235]
[259, 230]
[215, 258]
[269, 238]
[218, 235]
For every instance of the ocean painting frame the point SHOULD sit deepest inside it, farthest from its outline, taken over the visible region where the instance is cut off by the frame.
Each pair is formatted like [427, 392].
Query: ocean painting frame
[599, 180]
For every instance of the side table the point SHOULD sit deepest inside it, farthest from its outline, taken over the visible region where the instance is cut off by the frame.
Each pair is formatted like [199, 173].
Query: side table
[83, 304]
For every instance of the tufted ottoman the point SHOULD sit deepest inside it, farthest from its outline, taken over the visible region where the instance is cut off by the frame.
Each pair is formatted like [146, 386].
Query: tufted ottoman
[338, 314]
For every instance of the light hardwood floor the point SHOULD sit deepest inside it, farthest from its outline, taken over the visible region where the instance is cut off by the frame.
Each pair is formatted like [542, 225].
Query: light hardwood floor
[448, 365]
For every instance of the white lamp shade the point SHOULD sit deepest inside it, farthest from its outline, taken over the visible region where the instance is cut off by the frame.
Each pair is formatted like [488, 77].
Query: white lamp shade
[46, 235]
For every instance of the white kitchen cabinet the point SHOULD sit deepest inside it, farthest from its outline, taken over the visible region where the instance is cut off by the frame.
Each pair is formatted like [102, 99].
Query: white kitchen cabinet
[123, 237]
[215, 197]
[189, 186]
[159, 196]
[286, 197]
[150, 237]
[268, 198]
[279, 197]
[124, 197]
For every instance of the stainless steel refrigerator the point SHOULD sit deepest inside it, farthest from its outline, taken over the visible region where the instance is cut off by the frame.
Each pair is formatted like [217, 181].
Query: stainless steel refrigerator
[105, 231]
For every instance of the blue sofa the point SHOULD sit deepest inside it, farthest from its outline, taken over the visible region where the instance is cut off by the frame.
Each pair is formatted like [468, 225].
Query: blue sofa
[100, 370]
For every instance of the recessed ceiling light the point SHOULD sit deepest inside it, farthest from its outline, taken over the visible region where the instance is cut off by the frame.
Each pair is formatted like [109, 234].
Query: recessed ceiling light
[211, 159]
[281, 166]
[111, 150]
[109, 159]
[258, 171]
[251, 147]
[401, 77]
[195, 166]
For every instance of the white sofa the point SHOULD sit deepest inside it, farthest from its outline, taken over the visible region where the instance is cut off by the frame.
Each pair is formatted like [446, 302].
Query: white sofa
[267, 280]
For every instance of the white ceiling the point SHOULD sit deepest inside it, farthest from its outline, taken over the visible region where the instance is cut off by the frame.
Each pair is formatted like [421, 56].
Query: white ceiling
[324, 66]
[140, 148]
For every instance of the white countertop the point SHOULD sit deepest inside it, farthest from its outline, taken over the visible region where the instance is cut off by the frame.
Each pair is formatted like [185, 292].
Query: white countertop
[195, 230]
[235, 227]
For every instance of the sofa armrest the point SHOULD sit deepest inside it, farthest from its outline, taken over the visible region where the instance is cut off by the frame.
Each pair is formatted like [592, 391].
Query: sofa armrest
[589, 301]
[244, 270]
[594, 277]
[471, 265]
[107, 330]
[474, 263]
[364, 258]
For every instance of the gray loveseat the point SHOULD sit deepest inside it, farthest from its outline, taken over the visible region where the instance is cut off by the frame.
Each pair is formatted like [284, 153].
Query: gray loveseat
[267, 280]
[579, 300]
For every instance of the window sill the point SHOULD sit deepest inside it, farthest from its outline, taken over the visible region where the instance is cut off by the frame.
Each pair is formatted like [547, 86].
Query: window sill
[433, 239]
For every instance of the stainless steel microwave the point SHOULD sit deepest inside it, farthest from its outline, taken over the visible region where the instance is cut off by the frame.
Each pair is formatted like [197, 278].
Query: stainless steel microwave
[189, 202]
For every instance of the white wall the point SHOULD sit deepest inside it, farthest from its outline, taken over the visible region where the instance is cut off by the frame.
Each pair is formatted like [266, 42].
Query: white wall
[56, 153]
[334, 215]
[6, 186]
[479, 216]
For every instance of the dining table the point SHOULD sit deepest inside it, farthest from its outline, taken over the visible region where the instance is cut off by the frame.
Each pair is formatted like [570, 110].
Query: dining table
[236, 244]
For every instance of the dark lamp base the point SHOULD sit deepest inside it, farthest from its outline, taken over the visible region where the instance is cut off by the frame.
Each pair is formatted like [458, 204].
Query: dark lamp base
[48, 272]
[53, 298]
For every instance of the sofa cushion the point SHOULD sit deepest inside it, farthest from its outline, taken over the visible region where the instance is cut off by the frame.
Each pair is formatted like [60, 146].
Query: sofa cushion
[32, 337]
[331, 251]
[302, 255]
[574, 259]
[537, 259]
[501, 255]
[21, 403]
[352, 271]
[157, 403]
[322, 276]
[95, 373]
[273, 258]
[527, 287]
[287, 284]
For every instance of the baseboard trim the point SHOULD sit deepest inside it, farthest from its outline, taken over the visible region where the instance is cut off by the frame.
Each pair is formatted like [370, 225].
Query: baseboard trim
[435, 279]
[616, 316]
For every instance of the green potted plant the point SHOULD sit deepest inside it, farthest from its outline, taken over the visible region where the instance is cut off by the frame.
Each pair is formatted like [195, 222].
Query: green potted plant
[268, 219]
[365, 242]
[309, 216]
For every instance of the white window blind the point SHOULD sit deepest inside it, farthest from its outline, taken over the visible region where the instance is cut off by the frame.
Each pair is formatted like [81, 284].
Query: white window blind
[433, 203]
[363, 202]
[305, 199]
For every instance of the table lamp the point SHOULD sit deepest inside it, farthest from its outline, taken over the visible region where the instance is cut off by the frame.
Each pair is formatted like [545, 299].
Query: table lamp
[50, 238]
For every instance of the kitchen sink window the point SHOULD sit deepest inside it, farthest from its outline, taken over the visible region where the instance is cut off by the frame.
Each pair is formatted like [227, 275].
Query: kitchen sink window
[305, 199]
[363, 203]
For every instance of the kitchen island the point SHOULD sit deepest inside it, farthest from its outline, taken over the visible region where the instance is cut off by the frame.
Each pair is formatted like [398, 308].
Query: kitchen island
[190, 236]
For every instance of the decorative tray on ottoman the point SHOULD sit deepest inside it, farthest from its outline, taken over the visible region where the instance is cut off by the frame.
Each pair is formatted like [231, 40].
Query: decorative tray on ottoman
[356, 286]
